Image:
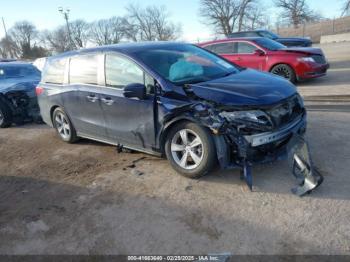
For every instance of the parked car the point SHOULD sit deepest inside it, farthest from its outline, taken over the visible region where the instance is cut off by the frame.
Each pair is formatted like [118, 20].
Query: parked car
[264, 54]
[287, 41]
[18, 101]
[174, 99]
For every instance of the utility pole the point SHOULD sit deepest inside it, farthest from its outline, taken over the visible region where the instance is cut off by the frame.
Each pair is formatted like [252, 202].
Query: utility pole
[65, 13]
[3, 23]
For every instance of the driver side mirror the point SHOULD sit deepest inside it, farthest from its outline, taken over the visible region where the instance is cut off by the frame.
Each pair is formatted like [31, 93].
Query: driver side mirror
[135, 90]
[259, 52]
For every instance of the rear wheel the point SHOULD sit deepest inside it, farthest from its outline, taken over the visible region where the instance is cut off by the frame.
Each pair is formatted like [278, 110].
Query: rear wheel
[63, 126]
[285, 71]
[190, 149]
[5, 116]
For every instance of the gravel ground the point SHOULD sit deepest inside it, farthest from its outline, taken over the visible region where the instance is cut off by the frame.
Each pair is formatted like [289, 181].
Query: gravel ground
[57, 198]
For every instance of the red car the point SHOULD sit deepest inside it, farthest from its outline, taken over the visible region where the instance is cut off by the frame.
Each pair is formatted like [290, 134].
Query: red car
[268, 55]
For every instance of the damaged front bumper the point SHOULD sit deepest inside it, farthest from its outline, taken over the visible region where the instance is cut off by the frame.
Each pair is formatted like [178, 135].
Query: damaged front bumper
[243, 151]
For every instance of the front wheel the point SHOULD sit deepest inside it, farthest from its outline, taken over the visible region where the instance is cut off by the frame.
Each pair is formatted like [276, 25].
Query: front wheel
[190, 149]
[285, 71]
[5, 116]
[64, 126]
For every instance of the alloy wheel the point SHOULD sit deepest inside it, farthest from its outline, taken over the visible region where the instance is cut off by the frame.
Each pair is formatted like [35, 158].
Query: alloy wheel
[282, 71]
[187, 149]
[62, 125]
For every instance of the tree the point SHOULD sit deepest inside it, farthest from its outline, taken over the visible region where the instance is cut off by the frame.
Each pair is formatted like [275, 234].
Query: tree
[346, 8]
[244, 5]
[23, 34]
[296, 12]
[149, 24]
[107, 31]
[79, 30]
[57, 41]
[221, 14]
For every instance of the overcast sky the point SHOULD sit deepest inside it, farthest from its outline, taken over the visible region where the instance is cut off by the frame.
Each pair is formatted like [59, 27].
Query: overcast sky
[44, 13]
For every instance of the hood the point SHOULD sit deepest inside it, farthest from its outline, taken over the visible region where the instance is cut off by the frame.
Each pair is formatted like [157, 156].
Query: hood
[294, 39]
[303, 50]
[245, 88]
[18, 84]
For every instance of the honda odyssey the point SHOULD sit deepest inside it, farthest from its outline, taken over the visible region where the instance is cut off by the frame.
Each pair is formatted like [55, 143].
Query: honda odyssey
[177, 100]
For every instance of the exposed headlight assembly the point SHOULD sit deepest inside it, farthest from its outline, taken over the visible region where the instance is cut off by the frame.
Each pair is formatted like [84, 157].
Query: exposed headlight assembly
[254, 116]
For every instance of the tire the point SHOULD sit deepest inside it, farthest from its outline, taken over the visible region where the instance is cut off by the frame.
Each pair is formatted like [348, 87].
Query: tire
[285, 71]
[64, 126]
[5, 116]
[190, 161]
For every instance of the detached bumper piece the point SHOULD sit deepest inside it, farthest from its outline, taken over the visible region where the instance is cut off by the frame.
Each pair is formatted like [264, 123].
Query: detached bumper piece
[301, 165]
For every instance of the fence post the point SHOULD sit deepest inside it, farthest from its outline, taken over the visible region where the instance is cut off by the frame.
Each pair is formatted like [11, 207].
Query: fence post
[333, 25]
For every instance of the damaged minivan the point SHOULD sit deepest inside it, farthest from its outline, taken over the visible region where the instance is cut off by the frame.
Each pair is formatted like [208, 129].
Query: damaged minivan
[180, 101]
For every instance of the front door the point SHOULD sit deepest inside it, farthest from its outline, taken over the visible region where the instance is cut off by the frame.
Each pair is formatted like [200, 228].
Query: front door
[246, 56]
[129, 121]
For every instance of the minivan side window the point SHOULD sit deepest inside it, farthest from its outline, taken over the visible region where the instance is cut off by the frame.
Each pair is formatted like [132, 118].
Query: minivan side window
[83, 69]
[121, 71]
[54, 71]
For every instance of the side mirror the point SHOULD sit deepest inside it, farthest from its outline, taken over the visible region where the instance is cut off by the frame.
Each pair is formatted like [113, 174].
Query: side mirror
[135, 90]
[259, 52]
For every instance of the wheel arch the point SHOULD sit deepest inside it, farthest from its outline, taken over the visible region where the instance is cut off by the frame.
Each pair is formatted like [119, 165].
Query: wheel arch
[169, 125]
[281, 63]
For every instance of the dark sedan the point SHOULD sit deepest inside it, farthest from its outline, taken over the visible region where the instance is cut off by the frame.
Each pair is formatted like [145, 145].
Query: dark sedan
[18, 101]
[287, 41]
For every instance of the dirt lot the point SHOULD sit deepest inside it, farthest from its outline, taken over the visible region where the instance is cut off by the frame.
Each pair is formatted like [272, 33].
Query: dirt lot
[57, 198]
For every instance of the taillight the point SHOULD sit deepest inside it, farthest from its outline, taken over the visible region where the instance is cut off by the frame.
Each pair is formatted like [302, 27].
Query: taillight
[39, 90]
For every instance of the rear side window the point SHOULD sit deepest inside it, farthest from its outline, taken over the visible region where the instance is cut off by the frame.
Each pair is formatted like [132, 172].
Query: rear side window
[54, 71]
[83, 69]
[121, 71]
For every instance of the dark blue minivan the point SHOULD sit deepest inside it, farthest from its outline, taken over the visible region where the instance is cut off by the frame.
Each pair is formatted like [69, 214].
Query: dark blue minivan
[171, 99]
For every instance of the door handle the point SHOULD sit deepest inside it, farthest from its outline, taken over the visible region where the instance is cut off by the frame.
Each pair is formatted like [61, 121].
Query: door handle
[92, 98]
[107, 101]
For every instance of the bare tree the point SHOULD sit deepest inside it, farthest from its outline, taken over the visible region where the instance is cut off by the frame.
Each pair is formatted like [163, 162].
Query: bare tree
[221, 14]
[107, 31]
[346, 8]
[23, 34]
[296, 12]
[57, 41]
[255, 18]
[150, 24]
[79, 30]
[8, 48]
[244, 6]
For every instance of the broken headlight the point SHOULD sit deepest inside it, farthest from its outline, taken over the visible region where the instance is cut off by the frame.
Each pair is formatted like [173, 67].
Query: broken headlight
[256, 117]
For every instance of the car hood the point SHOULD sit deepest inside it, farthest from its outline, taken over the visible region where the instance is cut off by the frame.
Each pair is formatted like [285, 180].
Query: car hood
[18, 84]
[294, 39]
[303, 50]
[245, 88]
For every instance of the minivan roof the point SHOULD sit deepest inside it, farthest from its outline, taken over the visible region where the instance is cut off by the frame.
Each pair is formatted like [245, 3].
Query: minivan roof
[123, 48]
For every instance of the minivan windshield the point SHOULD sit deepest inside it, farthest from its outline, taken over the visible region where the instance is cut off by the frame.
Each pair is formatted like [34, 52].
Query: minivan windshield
[185, 64]
[269, 44]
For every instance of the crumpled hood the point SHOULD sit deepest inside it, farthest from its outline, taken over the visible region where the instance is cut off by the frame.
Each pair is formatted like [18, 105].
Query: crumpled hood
[245, 88]
[18, 84]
